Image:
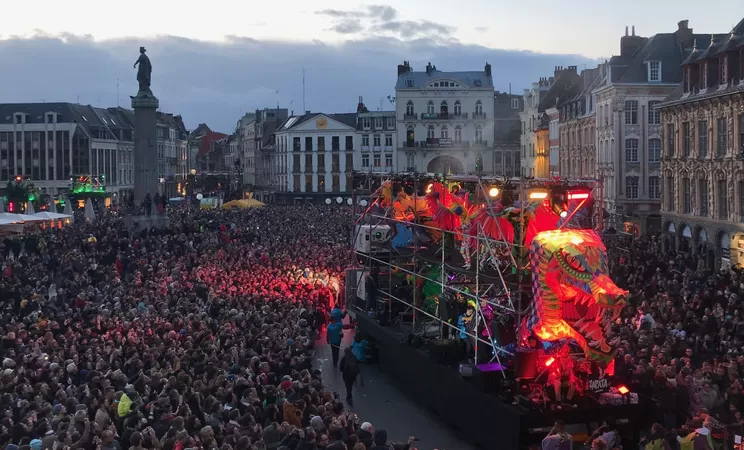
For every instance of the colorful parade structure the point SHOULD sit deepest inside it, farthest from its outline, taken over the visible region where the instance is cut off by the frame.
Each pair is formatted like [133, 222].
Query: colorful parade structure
[506, 279]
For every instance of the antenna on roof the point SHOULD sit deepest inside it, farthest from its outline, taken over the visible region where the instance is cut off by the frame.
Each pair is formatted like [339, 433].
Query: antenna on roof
[303, 89]
[117, 92]
[277, 99]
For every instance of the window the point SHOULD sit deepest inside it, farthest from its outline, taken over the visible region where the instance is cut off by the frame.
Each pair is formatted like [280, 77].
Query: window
[388, 161]
[409, 108]
[365, 140]
[377, 161]
[335, 143]
[741, 136]
[378, 123]
[430, 132]
[654, 150]
[443, 108]
[654, 188]
[410, 162]
[631, 187]
[308, 144]
[722, 188]
[670, 139]
[430, 108]
[477, 83]
[654, 115]
[631, 112]
[321, 143]
[458, 134]
[654, 71]
[686, 196]
[458, 108]
[704, 75]
[703, 138]
[409, 83]
[376, 140]
[478, 135]
[631, 150]
[669, 194]
[390, 123]
[724, 69]
[444, 133]
[478, 108]
[296, 144]
[349, 143]
[365, 122]
[686, 139]
[515, 103]
[703, 196]
[721, 137]
[365, 161]
[388, 140]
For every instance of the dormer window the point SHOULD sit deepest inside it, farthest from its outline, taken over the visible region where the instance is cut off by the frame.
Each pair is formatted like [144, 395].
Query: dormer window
[654, 71]
[515, 103]
[50, 118]
[477, 83]
[686, 79]
[704, 75]
[19, 118]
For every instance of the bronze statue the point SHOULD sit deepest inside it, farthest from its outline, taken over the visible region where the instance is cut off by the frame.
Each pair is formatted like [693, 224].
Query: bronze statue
[144, 72]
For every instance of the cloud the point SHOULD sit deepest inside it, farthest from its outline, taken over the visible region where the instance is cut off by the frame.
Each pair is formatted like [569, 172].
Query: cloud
[217, 83]
[481, 29]
[382, 20]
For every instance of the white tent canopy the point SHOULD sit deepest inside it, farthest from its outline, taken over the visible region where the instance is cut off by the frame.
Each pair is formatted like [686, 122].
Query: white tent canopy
[18, 218]
[46, 215]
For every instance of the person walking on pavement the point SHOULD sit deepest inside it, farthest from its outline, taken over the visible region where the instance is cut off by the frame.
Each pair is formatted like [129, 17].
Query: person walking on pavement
[334, 334]
[350, 369]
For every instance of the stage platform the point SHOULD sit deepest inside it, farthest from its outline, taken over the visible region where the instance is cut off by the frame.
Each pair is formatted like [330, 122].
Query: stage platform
[487, 420]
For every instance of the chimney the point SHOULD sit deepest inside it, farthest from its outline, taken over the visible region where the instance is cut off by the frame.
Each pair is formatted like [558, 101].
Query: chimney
[684, 34]
[630, 44]
[488, 70]
[360, 105]
[307, 113]
[572, 69]
[429, 68]
[403, 68]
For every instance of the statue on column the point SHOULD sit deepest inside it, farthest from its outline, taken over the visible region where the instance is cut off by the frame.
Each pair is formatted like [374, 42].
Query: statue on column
[144, 72]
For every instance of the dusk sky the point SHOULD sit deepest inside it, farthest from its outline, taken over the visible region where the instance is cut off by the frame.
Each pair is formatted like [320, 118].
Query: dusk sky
[213, 61]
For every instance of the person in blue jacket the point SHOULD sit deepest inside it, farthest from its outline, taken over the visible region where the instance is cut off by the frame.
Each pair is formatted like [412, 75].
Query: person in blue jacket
[337, 315]
[334, 334]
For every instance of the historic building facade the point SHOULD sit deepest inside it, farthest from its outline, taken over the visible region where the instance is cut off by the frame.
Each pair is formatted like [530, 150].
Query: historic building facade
[703, 153]
[444, 120]
[628, 124]
[577, 129]
[506, 132]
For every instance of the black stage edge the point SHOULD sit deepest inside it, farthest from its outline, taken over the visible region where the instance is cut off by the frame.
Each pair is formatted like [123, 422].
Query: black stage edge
[484, 418]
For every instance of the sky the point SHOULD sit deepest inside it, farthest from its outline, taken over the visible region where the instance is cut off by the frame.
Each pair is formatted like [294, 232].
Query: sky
[214, 61]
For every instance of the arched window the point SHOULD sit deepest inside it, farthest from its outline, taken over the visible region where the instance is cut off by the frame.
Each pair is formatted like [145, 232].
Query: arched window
[409, 108]
[478, 135]
[458, 108]
[458, 133]
[430, 107]
[478, 108]
[443, 108]
[430, 132]
[444, 133]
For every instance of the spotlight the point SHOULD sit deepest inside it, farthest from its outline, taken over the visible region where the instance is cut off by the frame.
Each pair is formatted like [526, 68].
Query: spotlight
[549, 361]
[429, 187]
[623, 390]
[563, 214]
[538, 195]
[493, 192]
[578, 195]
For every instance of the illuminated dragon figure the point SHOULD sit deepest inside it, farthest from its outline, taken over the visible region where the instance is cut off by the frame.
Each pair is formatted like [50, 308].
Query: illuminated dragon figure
[573, 297]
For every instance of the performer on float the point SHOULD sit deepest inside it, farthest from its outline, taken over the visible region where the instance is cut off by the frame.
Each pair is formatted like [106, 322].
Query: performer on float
[466, 244]
[562, 374]
[466, 324]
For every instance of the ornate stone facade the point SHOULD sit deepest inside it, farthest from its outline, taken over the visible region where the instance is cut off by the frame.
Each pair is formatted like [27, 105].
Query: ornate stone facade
[703, 170]
[578, 154]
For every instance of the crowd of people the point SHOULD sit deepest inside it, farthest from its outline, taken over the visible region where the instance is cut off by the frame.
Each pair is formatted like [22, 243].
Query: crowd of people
[199, 335]
[682, 343]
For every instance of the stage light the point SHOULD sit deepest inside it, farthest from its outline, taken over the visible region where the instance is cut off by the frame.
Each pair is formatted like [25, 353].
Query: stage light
[11, 207]
[549, 362]
[493, 192]
[563, 214]
[429, 187]
[623, 390]
[578, 195]
[18, 178]
[538, 195]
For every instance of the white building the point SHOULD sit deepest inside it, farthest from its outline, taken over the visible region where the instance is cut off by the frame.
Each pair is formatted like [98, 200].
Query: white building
[314, 157]
[246, 133]
[377, 139]
[445, 120]
[530, 117]
[49, 143]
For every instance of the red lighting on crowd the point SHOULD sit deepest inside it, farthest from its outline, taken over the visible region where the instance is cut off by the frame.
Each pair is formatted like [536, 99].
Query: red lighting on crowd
[578, 195]
[549, 361]
[623, 390]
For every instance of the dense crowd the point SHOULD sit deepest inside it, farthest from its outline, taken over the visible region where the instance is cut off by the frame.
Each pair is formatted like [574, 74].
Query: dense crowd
[197, 336]
[682, 342]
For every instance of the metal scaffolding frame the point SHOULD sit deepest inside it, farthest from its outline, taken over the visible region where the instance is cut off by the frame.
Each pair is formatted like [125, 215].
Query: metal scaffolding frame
[485, 288]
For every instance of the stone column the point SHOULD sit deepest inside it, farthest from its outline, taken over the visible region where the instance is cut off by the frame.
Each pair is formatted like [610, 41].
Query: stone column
[145, 104]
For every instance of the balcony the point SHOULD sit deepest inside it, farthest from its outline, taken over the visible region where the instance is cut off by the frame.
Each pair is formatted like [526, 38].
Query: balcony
[480, 144]
[480, 116]
[413, 116]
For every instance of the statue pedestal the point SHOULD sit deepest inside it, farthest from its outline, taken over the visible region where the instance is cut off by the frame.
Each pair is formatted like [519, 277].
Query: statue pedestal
[146, 181]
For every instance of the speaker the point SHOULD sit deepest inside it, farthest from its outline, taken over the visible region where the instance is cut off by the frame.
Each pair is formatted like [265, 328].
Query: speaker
[447, 352]
[488, 377]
